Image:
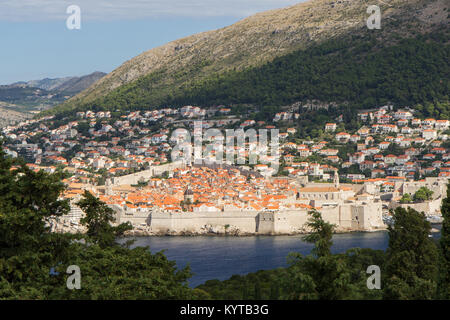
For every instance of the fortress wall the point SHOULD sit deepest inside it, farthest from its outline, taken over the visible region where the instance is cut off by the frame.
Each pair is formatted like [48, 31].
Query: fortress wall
[331, 215]
[354, 216]
[355, 187]
[248, 222]
[132, 178]
[146, 174]
[296, 218]
[437, 185]
[194, 221]
[345, 217]
[371, 216]
[158, 170]
[137, 218]
[428, 207]
[266, 223]
[357, 216]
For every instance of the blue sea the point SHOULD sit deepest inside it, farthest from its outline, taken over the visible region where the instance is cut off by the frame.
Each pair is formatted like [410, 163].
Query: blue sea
[221, 257]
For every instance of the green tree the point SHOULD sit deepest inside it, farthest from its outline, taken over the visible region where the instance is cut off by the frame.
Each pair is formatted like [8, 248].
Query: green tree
[423, 194]
[98, 218]
[406, 198]
[274, 290]
[444, 263]
[411, 263]
[28, 249]
[321, 235]
[245, 293]
[320, 275]
[117, 272]
[258, 291]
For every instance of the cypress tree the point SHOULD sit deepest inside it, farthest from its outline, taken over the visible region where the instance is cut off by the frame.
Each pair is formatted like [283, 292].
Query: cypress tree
[321, 275]
[412, 258]
[444, 265]
[274, 290]
[257, 291]
[245, 293]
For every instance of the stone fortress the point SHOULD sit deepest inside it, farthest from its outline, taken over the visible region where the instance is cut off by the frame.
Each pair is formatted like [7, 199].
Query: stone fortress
[348, 208]
[351, 207]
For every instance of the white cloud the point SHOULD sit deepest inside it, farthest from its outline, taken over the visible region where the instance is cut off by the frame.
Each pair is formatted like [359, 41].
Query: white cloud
[45, 10]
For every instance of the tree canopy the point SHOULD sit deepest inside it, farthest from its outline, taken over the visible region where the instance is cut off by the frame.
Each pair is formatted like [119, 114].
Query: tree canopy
[33, 260]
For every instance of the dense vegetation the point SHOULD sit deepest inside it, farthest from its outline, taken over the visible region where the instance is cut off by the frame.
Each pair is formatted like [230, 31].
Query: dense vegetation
[29, 97]
[362, 71]
[411, 72]
[33, 260]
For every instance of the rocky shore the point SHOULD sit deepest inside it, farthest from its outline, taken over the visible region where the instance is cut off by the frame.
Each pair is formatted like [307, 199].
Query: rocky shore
[70, 226]
[209, 230]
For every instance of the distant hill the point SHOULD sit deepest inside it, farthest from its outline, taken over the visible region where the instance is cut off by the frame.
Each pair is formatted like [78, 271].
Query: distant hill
[9, 117]
[69, 85]
[320, 49]
[21, 100]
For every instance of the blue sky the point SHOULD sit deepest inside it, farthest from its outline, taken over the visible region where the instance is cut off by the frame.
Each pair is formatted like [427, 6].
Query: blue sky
[35, 42]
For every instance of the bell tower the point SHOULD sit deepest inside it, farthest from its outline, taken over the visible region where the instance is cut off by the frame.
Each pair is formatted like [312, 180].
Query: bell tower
[189, 196]
[336, 179]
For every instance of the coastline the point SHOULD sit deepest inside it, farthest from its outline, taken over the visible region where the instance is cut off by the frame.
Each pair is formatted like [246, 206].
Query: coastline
[141, 233]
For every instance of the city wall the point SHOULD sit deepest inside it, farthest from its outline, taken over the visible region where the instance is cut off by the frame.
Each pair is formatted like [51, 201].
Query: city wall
[134, 178]
[361, 217]
[431, 207]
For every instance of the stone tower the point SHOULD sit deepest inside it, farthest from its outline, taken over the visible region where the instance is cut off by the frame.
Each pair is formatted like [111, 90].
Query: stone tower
[189, 195]
[336, 179]
[108, 187]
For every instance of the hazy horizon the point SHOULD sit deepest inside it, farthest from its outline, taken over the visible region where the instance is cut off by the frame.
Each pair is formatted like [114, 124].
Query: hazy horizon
[37, 44]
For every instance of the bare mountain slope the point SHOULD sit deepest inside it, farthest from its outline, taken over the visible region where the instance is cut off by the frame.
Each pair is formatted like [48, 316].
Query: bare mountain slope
[68, 84]
[259, 39]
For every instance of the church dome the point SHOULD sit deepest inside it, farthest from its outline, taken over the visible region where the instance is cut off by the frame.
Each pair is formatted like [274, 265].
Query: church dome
[188, 192]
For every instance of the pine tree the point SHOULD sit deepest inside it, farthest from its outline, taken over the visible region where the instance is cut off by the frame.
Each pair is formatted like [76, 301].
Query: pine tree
[98, 220]
[30, 253]
[274, 290]
[257, 291]
[412, 257]
[245, 293]
[28, 250]
[321, 235]
[320, 275]
[444, 263]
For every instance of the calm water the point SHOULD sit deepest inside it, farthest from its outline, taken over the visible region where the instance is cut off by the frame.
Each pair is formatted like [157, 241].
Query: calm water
[222, 257]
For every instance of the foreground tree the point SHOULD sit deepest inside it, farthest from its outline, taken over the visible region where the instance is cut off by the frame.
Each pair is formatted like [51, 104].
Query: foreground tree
[320, 275]
[98, 220]
[411, 265]
[33, 260]
[444, 244]
[28, 200]
[112, 271]
[117, 272]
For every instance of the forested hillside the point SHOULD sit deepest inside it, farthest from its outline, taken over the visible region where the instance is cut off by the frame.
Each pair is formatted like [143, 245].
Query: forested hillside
[300, 53]
[414, 71]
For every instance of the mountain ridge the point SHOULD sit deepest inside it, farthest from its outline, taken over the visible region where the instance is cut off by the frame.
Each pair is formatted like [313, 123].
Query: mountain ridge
[254, 41]
[64, 84]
